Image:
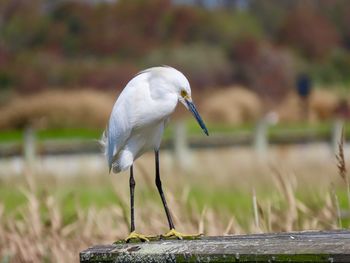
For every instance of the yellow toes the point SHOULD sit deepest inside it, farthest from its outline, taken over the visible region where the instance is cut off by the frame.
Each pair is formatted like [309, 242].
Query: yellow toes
[135, 236]
[173, 233]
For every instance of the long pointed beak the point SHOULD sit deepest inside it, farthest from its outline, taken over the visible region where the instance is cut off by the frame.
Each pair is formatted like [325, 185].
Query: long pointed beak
[195, 113]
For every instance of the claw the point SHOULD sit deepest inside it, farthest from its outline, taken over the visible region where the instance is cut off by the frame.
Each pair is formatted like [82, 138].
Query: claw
[133, 235]
[178, 235]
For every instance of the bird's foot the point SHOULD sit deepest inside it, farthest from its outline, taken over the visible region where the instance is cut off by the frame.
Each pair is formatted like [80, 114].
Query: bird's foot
[135, 236]
[174, 234]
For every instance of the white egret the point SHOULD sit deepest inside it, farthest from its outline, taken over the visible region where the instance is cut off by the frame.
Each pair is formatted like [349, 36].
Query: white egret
[137, 123]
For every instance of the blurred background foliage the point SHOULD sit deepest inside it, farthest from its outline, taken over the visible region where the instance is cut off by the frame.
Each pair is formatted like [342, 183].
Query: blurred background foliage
[261, 46]
[50, 44]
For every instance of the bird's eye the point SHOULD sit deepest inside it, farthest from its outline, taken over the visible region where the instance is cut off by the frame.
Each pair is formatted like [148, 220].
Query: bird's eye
[183, 93]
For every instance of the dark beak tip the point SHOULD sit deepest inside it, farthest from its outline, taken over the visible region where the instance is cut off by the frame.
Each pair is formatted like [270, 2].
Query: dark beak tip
[195, 113]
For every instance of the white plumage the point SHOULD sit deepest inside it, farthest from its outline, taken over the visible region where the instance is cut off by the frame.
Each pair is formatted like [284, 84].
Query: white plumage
[141, 112]
[137, 124]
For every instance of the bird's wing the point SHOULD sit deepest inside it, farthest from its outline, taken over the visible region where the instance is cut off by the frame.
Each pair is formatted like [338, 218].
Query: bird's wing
[118, 130]
[123, 119]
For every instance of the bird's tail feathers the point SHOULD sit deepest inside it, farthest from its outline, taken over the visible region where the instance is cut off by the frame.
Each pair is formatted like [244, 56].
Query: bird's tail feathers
[122, 161]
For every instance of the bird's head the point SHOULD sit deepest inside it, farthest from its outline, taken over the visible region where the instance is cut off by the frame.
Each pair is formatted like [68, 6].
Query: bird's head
[167, 80]
[186, 99]
[183, 91]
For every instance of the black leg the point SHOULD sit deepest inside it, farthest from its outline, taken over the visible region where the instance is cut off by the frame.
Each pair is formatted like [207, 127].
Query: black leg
[160, 190]
[132, 188]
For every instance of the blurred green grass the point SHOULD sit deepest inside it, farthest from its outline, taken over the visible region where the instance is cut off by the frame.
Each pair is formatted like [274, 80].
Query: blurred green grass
[85, 194]
[322, 129]
[17, 135]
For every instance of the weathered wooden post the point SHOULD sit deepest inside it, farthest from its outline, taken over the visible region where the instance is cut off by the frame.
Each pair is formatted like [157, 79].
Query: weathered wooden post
[328, 246]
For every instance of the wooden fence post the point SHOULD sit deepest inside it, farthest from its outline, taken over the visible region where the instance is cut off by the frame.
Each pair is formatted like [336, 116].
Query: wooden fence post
[337, 127]
[29, 146]
[181, 148]
[261, 137]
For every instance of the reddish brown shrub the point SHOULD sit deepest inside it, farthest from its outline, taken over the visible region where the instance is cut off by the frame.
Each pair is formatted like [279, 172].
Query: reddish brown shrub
[309, 31]
[266, 69]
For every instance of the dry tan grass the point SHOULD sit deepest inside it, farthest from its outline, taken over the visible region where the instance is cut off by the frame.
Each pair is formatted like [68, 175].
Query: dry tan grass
[342, 169]
[35, 236]
[232, 105]
[237, 105]
[52, 109]
[290, 109]
[322, 104]
[89, 108]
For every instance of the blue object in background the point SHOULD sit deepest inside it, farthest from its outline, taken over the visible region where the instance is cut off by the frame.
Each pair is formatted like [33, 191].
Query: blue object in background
[304, 85]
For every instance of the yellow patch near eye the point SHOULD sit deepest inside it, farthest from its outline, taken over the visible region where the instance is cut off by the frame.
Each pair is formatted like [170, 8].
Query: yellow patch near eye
[183, 93]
